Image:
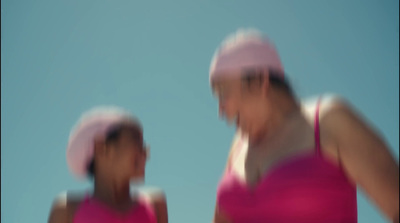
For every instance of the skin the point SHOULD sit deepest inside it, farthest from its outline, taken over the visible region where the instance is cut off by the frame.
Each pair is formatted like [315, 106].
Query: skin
[116, 165]
[267, 116]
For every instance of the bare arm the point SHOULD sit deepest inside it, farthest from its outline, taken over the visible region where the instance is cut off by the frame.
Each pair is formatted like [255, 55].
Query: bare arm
[218, 216]
[365, 156]
[160, 207]
[64, 207]
[59, 211]
[156, 197]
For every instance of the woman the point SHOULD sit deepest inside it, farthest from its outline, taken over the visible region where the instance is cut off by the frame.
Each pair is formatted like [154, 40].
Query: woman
[292, 161]
[107, 145]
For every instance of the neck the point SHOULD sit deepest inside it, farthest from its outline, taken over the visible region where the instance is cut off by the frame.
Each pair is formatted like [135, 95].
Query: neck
[112, 191]
[284, 112]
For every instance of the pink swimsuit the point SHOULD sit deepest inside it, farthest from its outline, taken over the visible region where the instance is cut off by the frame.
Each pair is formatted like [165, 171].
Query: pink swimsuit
[93, 211]
[306, 188]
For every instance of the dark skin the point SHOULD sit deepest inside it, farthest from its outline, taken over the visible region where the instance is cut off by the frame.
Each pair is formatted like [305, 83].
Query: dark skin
[116, 164]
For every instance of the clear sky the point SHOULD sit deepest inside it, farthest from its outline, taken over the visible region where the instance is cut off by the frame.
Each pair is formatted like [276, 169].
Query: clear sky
[60, 58]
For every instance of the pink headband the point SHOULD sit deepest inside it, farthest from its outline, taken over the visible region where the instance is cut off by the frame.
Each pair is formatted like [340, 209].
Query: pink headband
[246, 51]
[94, 123]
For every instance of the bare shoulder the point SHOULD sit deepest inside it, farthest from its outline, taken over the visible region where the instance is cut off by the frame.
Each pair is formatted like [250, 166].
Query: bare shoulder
[64, 207]
[362, 151]
[157, 198]
[152, 194]
[329, 103]
[335, 113]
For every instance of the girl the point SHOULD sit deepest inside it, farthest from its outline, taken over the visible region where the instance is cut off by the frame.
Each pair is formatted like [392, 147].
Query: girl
[107, 145]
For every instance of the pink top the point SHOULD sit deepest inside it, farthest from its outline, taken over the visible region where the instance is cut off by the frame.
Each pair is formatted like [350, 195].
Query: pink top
[93, 211]
[306, 188]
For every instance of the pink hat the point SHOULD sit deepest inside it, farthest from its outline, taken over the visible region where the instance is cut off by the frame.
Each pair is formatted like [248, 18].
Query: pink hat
[92, 124]
[244, 49]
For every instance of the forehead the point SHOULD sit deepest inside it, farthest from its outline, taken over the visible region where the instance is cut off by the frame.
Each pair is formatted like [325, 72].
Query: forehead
[132, 130]
[131, 135]
[125, 127]
[229, 79]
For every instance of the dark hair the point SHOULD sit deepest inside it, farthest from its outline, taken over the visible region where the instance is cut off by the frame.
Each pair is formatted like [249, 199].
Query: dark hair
[113, 135]
[275, 78]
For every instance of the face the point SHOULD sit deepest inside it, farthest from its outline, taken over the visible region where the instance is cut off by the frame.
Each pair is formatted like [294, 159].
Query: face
[242, 103]
[128, 156]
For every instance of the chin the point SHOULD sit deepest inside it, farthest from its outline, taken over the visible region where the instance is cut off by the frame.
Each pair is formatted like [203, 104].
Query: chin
[137, 180]
[140, 174]
[254, 136]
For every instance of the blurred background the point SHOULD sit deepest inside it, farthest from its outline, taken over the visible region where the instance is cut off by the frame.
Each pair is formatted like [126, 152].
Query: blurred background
[61, 58]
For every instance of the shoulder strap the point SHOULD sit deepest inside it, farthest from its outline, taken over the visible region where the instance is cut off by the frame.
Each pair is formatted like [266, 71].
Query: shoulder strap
[316, 128]
[235, 150]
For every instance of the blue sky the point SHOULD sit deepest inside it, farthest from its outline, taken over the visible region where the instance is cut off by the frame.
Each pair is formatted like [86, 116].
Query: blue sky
[60, 58]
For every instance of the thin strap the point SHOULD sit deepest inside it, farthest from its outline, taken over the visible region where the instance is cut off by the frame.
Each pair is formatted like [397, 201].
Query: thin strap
[87, 198]
[237, 148]
[316, 129]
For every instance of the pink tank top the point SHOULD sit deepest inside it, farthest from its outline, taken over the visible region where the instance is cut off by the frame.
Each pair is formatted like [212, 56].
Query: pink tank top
[93, 211]
[305, 188]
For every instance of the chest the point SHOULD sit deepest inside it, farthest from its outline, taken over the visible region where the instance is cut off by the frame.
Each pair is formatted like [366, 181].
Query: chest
[304, 187]
[94, 212]
[251, 164]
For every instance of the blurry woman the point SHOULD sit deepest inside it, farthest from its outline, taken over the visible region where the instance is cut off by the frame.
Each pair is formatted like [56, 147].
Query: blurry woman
[293, 161]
